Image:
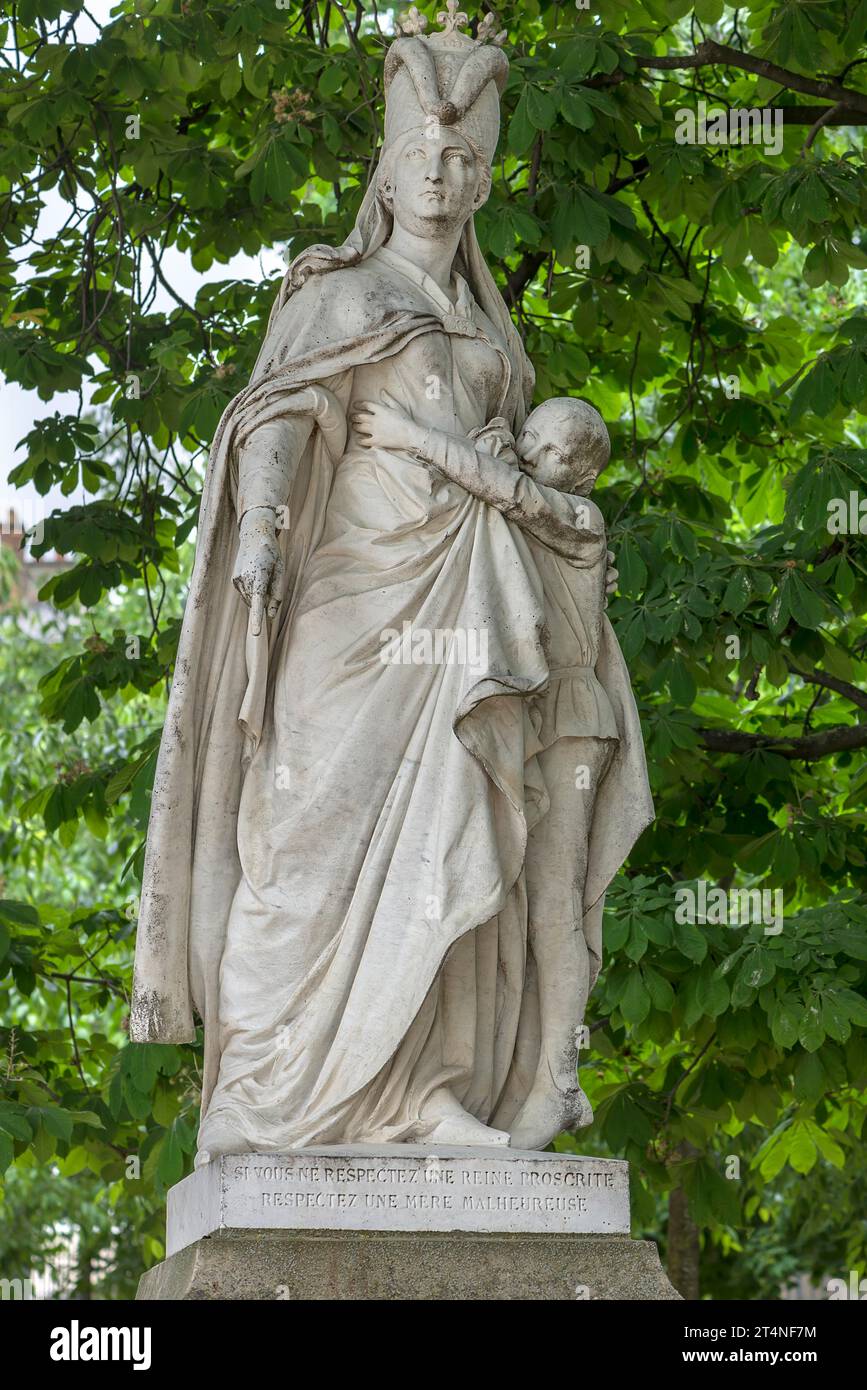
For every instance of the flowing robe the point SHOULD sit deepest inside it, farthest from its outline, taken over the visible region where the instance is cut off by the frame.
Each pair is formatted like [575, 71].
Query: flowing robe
[350, 898]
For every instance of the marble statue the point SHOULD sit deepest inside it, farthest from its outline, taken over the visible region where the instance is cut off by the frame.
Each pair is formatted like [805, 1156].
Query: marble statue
[402, 760]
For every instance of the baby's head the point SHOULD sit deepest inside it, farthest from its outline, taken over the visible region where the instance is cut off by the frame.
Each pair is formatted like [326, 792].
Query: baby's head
[564, 444]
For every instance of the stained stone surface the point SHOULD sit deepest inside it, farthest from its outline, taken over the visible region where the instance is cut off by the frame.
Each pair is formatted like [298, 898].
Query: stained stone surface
[401, 1188]
[400, 1265]
[370, 862]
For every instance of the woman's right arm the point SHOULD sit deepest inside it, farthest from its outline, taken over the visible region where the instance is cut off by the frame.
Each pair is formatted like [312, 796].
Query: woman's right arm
[267, 460]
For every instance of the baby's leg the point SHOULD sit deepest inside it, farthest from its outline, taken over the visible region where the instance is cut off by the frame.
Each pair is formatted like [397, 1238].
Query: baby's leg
[556, 868]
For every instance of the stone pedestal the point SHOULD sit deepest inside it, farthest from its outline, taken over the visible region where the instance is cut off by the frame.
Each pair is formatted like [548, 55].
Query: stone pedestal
[396, 1265]
[405, 1222]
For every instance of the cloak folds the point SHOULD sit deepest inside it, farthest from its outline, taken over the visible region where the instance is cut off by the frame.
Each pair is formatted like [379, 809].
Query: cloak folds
[336, 322]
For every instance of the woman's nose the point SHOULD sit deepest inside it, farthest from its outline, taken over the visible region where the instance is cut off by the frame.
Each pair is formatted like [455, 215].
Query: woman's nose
[434, 171]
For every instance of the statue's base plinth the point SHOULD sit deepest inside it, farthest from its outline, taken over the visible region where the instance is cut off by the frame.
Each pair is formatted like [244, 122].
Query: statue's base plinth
[408, 1222]
[396, 1265]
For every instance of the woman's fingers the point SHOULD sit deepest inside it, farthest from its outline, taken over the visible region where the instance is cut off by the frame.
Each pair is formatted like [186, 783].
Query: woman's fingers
[260, 592]
[363, 423]
[373, 423]
[275, 587]
[257, 613]
[611, 574]
[259, 582]
[362, 418]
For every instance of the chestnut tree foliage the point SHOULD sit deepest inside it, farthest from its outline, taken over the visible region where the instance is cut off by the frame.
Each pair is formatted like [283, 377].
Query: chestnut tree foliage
[708, 299]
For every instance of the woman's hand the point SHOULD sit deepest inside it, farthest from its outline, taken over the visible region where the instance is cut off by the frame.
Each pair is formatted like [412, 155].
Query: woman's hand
[611, 577]
[385, 424]
[259, 569]
[496, 439]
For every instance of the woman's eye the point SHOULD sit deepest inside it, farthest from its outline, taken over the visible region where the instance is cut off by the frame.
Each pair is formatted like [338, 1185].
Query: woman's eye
[415, 154]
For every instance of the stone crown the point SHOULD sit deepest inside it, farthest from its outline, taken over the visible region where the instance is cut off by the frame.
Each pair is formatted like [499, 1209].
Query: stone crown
[447, 78]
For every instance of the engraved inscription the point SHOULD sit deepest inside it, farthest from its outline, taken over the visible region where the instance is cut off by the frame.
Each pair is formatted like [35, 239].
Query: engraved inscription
[424, 1187]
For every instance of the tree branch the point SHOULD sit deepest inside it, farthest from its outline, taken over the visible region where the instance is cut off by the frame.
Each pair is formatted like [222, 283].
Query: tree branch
[719, 54]
[826, 118]
[837, 115]
[844, 688]
[840, 738]
[521, 276]
[820, 116]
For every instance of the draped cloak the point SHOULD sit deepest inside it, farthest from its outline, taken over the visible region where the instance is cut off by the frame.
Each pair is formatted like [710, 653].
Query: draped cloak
[333, 324]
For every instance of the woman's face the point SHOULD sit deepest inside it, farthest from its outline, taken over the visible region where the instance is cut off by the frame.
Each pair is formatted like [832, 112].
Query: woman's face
[435, 183]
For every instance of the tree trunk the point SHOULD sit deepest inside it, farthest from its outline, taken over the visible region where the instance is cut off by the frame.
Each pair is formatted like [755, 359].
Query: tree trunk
[683, 1247]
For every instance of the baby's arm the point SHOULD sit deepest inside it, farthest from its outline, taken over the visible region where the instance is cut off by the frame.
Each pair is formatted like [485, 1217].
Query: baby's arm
[571, 526]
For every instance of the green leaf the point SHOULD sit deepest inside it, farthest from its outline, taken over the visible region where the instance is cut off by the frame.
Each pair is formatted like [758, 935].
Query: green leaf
[541, 109]
[810, 1078]
[591, 224]
[806, 605]
[802, 1150]
[785, 1020]
[576, 110]
[738, 592]
[170, 1167]
[635, 1002]
[690, 941]
[811, 1032]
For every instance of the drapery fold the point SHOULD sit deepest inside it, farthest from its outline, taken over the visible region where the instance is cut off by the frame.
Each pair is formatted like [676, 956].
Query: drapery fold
[362, 988]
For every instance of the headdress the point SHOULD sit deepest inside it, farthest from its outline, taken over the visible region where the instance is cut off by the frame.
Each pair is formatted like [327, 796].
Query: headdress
[448, 78]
